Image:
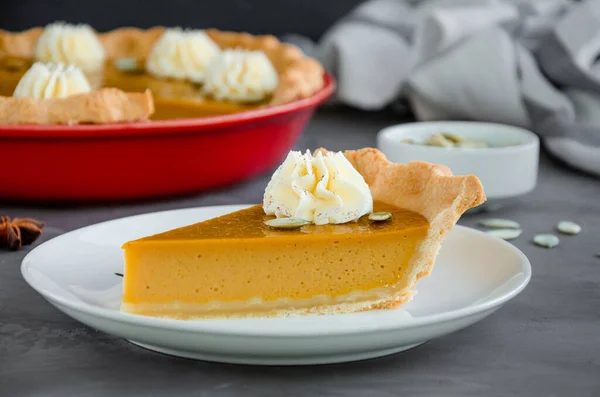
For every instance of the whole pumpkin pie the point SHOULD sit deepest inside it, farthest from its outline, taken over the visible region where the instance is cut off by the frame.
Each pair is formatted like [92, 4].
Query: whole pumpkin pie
[364, 230]
[191, 73]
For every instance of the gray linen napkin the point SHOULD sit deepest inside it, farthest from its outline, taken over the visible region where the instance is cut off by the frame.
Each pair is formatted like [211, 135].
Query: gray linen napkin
[531, 63]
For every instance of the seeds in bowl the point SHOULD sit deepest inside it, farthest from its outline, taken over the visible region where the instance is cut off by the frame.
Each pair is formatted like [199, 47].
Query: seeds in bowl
[451, 140]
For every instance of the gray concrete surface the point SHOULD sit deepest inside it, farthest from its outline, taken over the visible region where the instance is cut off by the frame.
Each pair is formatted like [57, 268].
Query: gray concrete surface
[546, 342]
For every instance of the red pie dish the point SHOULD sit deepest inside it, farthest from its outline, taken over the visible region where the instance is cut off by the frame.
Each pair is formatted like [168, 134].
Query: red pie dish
[150, 158]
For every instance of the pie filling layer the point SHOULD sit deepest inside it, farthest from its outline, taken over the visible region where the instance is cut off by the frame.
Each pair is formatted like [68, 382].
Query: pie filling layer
[235, 264]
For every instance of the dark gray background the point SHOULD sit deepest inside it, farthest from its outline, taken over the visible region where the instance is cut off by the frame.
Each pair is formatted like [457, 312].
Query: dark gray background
[307, 17]
[545, 342]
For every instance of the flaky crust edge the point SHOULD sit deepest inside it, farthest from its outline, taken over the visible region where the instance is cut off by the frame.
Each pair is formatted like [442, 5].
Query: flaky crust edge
[108, 105]
[428, 189]
[299, 76]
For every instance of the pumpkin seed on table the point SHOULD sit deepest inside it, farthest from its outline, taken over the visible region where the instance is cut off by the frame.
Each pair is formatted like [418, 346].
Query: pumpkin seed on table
[505, 234]
[568, 227]
[498, 223]
[546, 240]
[286, 223]
[380, 216]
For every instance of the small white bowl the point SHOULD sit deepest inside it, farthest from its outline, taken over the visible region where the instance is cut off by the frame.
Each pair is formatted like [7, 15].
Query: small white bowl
[505, 172]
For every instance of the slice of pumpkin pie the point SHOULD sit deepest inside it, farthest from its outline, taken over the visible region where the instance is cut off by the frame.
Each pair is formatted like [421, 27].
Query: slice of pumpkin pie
[336, 233]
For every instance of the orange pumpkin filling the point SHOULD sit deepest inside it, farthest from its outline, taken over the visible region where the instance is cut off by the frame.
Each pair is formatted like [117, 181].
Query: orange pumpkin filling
[234, 262]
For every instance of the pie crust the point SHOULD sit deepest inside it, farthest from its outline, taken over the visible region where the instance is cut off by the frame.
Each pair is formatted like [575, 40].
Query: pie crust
[299, 76]
[108, 105]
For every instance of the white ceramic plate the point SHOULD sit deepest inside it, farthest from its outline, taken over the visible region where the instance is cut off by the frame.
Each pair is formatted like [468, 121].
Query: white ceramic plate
[475, 274]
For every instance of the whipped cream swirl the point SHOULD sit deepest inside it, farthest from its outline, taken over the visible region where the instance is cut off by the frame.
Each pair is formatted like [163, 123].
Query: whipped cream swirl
[241, 76]
[70, 44]
[182, 54]
[321, 189]
[44, 81]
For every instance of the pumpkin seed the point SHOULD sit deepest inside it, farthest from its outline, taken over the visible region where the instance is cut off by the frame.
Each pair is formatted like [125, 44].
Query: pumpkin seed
[286, 223]
[452, 138]
[128, 65]
[438, 140]
[498, 223]
[407, 140]
[505, 234]
[568, 227]
[380, 216]
[546, 240]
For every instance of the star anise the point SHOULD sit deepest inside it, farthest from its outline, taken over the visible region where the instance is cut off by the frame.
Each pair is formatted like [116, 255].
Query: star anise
[18, 232]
